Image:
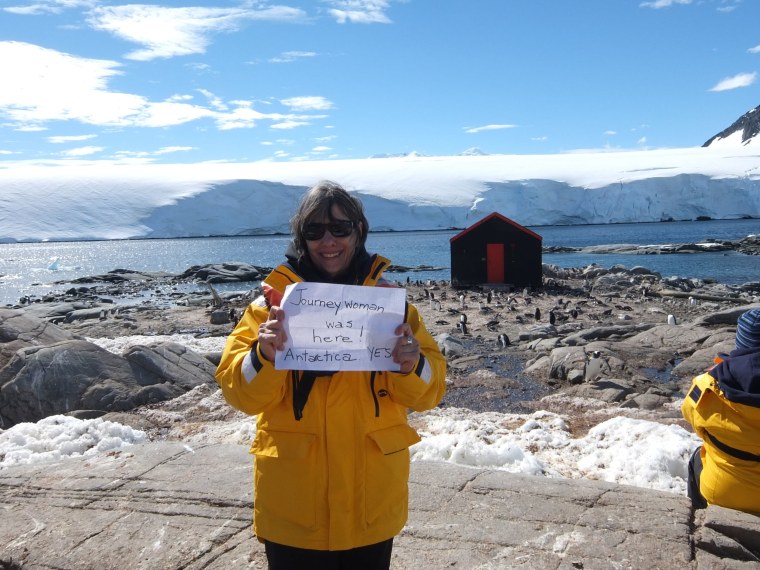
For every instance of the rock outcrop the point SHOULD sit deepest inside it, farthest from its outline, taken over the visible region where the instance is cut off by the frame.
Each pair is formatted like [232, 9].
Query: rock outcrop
[50, 372]
[170, 505]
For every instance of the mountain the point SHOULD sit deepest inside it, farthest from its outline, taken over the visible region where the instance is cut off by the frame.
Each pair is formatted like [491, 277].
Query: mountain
[473, 151]
[743, 132]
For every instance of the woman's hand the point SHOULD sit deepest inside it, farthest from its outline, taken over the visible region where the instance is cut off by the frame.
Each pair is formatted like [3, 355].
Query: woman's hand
[406, 353]
[271, 335]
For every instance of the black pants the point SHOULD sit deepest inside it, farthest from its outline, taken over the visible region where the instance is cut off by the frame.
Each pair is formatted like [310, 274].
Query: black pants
[695, 471]
[372, 557]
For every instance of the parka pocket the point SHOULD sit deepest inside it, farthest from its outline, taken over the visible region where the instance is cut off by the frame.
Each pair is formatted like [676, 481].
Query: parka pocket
[284, 477]
[387, 474]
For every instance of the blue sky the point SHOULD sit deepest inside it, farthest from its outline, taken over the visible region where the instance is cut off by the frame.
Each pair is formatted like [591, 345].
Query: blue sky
[187, 82]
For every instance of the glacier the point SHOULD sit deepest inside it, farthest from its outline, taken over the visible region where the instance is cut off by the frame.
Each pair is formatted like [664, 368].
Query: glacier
[103, 201]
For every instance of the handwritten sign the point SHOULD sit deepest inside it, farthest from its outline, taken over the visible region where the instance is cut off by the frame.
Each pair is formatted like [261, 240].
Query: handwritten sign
[340, 327]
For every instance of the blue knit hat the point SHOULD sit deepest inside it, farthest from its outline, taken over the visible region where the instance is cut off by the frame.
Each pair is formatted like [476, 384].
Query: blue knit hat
[748, 330]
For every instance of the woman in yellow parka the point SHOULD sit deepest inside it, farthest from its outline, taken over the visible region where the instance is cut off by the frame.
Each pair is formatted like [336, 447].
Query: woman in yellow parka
[723, 407]
[331, 448]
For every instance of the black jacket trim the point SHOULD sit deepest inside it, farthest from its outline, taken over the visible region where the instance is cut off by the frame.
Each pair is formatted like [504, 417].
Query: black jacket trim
[732, 451]
[255, 360]
[374, 394]
[420, 366]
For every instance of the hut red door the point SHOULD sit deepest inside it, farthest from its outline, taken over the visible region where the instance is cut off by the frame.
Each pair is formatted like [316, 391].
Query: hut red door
[495, 262]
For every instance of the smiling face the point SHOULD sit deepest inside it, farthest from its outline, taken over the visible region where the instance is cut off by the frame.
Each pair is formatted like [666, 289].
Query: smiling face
[332, 255]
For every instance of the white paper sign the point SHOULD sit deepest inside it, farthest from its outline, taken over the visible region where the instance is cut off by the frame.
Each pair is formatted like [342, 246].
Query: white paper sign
[340, 327]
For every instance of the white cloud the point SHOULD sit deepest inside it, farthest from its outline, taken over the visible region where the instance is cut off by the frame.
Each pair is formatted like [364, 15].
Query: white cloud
[755, 49]
[307, 103]
[735, 82]
[167, 113]
[488, 128]
[64, 139]
[213, 100]
[169, 32]
[642, 140]
[50, 7]
[170, 149]
[320, 149]
[610, 133]
[146, 154]
[283, 142]
[243, 116]
[290, 56]
[359, 11]
[29, 128]
[202, 67]
[285, 125]
[41, 85]
[657, 4]
[83, 151]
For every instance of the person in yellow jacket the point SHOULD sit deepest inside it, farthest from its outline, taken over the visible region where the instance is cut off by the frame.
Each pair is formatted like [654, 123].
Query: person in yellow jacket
[723, 407]
[331, 448]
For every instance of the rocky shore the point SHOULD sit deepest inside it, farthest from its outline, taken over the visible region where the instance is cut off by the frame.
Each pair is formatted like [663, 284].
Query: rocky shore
[590, 344]
[624, 336]
[749, 245]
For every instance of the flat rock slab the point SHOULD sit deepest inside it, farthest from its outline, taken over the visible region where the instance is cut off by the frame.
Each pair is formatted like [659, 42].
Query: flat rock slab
[171, 506]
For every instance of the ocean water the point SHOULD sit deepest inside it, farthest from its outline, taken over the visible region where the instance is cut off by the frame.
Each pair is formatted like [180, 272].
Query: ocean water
[37, 268]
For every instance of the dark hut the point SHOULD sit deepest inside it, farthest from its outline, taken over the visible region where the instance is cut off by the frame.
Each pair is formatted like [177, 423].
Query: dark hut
[496, 250]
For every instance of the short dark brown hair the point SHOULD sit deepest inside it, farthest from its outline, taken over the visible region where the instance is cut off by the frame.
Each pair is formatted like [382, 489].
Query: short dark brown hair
[317, 204]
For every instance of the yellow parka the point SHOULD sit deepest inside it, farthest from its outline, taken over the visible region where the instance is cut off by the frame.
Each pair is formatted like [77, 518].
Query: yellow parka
[723, 407]
[331, 467]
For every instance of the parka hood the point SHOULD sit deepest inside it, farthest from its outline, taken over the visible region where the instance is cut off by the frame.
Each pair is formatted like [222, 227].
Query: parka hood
[739, 376]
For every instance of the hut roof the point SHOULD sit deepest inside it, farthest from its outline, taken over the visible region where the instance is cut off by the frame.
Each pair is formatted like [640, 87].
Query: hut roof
[500, 217]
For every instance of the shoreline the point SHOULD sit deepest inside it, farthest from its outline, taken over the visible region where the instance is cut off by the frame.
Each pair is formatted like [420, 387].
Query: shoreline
[576, 308]
[252, 274]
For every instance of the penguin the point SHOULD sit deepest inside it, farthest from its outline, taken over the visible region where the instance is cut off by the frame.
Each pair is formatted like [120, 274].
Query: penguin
[552, 317]
[538, 314]
[463, 327]
[672, 320]
[503, 340]
[463, 318]
[488, 297]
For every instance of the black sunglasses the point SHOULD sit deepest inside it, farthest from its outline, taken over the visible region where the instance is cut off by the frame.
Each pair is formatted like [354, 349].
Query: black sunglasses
[339, 229]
